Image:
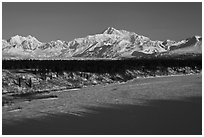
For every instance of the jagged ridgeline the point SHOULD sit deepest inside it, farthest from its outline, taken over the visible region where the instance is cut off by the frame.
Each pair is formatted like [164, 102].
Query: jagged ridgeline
[110, 44]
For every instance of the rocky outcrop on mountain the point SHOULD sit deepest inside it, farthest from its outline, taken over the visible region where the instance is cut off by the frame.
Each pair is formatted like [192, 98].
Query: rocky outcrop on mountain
[111, 44]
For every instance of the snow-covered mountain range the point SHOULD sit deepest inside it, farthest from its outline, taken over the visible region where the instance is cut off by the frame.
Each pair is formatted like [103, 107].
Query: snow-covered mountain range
[110, 44]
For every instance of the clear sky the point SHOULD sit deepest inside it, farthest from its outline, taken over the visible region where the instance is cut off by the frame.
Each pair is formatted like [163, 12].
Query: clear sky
[66, 21]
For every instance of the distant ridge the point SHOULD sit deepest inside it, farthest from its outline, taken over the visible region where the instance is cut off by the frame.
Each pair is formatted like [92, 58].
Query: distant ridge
[110, 44]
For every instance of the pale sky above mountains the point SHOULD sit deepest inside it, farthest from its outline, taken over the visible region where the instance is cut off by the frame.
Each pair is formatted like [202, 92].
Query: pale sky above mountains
[66, 21]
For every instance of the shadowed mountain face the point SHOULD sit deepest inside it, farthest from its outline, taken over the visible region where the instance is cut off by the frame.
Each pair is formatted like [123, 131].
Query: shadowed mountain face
[111, 44]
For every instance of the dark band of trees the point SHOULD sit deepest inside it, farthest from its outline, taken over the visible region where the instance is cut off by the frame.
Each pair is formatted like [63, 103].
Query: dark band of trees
[99, 66]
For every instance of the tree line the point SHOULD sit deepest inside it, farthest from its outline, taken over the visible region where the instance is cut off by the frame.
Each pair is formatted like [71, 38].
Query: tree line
[98, 66]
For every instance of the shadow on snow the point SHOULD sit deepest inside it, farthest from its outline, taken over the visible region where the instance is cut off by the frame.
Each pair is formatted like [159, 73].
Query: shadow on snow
[154, 117]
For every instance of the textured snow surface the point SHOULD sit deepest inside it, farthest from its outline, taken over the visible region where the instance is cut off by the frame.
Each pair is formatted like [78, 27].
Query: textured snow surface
[111, 43]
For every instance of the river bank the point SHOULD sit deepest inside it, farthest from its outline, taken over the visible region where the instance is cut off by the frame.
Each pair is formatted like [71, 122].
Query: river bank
[83, 103]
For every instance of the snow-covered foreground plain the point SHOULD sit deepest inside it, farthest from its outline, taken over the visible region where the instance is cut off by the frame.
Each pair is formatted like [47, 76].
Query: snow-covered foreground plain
[161, 105]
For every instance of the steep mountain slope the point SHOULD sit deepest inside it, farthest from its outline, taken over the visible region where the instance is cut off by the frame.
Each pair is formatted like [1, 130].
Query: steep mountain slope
[190, 45]
[111, 44]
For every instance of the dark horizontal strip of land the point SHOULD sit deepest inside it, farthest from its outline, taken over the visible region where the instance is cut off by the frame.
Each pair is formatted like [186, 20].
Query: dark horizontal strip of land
[99, 65]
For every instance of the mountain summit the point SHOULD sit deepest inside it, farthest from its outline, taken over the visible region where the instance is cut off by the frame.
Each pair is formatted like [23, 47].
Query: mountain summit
[110, 44]
[111, 30]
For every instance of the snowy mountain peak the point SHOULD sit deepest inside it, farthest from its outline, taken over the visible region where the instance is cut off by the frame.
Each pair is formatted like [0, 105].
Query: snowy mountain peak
[198, 38]
[31, 37]
[17, 40]
[25, 43]
[59, 41]
[112, 43]
[111, 30]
